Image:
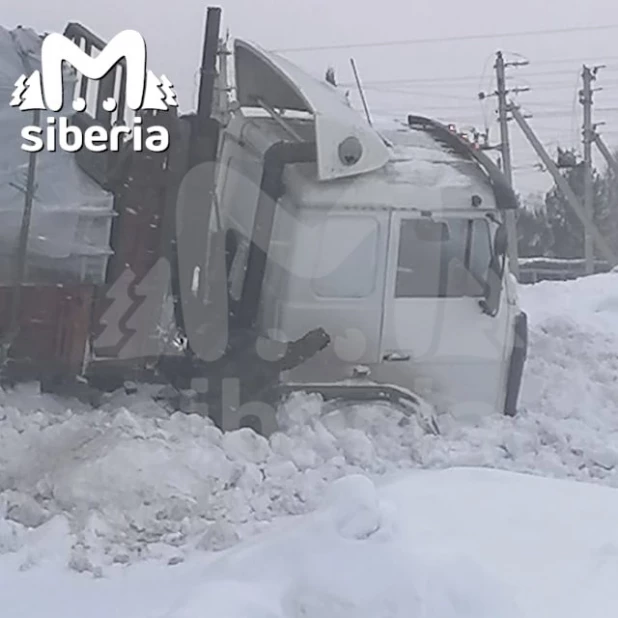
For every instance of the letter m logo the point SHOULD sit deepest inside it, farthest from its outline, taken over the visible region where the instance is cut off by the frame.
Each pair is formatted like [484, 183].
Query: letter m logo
[57, 49]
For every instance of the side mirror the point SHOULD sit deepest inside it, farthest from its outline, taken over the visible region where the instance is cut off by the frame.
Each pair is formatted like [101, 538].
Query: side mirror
[501, 241]
[493, 289]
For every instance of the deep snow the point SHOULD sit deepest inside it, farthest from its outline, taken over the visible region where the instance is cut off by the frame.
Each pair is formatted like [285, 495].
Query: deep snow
[458, 543]
[130, 484]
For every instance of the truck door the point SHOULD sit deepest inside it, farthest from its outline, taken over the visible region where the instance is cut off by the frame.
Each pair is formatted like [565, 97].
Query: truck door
[435, 337]
[336, 280]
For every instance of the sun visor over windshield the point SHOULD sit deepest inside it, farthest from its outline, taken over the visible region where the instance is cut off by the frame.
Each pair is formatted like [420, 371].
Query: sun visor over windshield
[346, 144]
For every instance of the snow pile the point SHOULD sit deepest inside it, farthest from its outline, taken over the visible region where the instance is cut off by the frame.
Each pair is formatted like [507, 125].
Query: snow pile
[568, 426]
[349, 560]
[135, 483]
[459, 543]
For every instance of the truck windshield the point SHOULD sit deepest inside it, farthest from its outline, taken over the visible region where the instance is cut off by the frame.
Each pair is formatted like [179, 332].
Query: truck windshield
[446, 258]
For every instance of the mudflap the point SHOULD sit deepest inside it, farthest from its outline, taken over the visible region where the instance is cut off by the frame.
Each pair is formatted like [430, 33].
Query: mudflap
[361, 391]
[516, 364]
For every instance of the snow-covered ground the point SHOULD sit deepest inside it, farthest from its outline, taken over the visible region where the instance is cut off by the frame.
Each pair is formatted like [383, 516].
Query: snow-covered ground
[459, 543]
[97, 490]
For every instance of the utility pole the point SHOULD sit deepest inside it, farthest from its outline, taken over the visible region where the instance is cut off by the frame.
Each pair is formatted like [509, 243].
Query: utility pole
[564, 187]
[605, 152]
[588, 136]
[505, 152]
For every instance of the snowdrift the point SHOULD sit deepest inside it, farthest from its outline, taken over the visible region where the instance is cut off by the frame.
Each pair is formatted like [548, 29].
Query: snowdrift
[137, 484]
[460, 543]
[350, 560]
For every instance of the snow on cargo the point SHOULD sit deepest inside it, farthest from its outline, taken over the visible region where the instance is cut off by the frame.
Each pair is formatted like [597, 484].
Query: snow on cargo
[72, 215]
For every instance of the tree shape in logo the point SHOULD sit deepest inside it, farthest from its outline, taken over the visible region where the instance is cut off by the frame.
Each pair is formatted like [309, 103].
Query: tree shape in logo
[167, 87]
[112, 319]
[18, 95]
[130, 324]
[28, 93]
[159, 93]
[144, 321]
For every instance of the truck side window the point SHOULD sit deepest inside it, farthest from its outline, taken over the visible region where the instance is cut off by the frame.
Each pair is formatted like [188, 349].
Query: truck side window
[347, 257]
[419, 268]
[440, 259]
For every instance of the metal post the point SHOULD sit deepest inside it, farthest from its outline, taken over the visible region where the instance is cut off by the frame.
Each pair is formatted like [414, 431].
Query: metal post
[205, 136]
[21, 256]
[586, 101]
[208, 70]
[361, 92]
[505, 151]
[196, 197]
[222, 109]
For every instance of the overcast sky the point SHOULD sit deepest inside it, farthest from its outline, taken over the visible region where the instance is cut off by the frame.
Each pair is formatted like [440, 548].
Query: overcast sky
[440, 78]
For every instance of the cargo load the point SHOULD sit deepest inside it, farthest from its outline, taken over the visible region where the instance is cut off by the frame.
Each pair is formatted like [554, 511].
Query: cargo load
[69, 236]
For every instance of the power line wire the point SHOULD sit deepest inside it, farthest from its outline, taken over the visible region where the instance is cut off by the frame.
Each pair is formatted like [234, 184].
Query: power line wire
[421, 93]
[466, 78]
[579, 60]
[562, 85]
[465, 37]
[558, 114]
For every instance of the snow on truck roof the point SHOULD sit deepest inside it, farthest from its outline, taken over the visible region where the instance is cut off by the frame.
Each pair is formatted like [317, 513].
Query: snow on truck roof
[421, 173]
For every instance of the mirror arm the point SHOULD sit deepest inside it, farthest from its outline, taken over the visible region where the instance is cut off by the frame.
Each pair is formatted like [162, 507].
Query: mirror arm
[491, 303]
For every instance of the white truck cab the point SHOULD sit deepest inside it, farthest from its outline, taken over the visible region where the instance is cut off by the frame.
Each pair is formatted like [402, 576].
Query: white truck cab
[389, 238]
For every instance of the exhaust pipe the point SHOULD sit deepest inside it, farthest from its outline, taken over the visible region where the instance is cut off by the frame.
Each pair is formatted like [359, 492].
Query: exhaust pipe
[276, 158]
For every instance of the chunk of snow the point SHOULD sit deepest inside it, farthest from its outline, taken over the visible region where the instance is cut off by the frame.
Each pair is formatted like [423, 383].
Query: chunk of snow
[354, 507]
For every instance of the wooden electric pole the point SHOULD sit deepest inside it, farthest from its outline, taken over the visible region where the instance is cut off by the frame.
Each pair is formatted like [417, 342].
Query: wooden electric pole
[564, 187]
[505, 153]
[588, 138]
[606, 153]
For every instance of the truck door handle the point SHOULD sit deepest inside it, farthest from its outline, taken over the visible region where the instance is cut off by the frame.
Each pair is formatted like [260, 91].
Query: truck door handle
[396, 357]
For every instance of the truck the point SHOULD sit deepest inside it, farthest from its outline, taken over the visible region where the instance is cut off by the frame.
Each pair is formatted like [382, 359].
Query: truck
[392, 239]
[369, 260]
